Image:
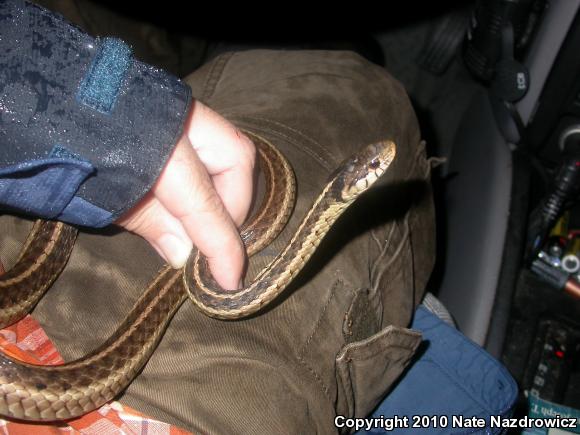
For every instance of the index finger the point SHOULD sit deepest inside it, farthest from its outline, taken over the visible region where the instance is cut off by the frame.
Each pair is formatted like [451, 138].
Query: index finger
[185, 189]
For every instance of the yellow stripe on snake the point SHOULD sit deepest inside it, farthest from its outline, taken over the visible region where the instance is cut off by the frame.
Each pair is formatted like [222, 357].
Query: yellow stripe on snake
[48, 393]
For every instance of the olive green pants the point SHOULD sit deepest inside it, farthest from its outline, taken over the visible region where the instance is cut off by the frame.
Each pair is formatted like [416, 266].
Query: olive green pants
[336, 341]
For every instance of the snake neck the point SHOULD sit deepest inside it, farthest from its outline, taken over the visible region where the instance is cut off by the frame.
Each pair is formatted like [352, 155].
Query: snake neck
[277, 275]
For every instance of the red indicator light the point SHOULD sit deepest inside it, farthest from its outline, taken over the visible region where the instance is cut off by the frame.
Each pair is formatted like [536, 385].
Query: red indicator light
[559, 354]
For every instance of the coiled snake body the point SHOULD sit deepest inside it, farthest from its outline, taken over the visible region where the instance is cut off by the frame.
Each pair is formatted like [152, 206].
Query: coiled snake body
[48, 393]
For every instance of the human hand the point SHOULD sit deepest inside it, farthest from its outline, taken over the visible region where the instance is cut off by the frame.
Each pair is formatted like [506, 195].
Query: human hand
[202, 195]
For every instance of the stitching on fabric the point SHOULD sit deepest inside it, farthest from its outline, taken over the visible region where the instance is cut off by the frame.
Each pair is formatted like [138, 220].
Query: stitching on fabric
[247, 119]
[302, 351]
[290, 140]
[347, 373]
[317, 377]
[345, 377]
[258, 88]
[319, 321]
[348, 325]
[214, 75]
[350, 352]
[329, 155]
[301, 134]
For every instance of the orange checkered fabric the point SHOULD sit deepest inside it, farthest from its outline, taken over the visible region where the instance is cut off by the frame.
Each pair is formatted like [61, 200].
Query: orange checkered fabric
[27, 341]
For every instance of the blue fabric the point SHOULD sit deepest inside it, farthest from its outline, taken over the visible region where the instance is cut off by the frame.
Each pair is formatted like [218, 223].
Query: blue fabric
[59, 85]
[47, 187]
[101, 85]
[42, 187]
[452, 376]
[81, 212]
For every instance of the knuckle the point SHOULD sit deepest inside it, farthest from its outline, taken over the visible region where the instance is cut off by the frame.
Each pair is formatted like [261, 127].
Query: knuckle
[211, 202]
[246, 150]
[202, 199]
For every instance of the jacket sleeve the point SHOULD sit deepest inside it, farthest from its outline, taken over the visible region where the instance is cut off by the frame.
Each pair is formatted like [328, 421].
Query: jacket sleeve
[85, 128]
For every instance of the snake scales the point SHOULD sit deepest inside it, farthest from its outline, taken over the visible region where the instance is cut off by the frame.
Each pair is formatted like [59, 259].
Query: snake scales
[48, 393]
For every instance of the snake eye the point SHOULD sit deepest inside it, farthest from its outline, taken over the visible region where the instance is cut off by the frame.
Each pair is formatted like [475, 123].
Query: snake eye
[375, 163]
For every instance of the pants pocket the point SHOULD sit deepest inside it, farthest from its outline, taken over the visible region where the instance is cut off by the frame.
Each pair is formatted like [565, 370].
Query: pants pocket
[366, 369]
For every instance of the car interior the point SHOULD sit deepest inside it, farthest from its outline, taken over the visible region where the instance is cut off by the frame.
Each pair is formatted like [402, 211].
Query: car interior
[507, 123]
[503, 108]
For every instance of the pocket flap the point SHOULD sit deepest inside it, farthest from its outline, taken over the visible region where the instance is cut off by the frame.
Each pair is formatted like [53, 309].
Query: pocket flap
[366, 369]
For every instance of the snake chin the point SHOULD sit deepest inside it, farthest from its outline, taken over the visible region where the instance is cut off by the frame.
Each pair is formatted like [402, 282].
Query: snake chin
[360, 171]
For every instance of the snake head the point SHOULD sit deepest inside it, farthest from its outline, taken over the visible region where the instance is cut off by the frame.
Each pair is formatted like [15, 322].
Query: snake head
[357, 173]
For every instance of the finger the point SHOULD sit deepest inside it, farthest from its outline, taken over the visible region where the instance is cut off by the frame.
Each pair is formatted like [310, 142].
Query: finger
[186, 191]
[229, 157]
[235, 188]
[151, 220]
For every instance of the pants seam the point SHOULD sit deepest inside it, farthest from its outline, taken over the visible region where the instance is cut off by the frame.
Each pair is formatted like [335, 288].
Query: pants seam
[301, 353]
[323, 160]
[214, 75]
[319, 321]
[317, 378]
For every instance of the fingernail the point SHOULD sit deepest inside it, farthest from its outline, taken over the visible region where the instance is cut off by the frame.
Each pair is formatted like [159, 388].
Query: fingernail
[175, 249]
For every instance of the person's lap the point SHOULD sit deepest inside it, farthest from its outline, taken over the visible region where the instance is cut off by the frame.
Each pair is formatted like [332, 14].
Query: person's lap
[336, 340]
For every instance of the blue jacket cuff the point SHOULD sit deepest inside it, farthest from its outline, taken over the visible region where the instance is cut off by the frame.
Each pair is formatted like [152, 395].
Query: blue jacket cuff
[119, 117]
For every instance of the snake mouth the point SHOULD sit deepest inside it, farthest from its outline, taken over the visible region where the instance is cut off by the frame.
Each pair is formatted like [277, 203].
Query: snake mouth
[366, 182]
[363, 169]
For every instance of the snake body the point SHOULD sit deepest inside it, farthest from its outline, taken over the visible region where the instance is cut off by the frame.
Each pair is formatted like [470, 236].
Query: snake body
[48, 393]
[41, 259]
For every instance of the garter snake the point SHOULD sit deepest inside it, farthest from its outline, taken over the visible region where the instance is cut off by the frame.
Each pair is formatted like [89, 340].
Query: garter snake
[48, 393]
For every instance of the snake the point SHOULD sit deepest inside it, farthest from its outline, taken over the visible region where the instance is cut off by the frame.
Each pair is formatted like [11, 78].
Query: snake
[60, 392]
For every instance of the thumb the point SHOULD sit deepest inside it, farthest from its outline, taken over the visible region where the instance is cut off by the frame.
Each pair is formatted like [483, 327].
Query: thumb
[151, 220]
